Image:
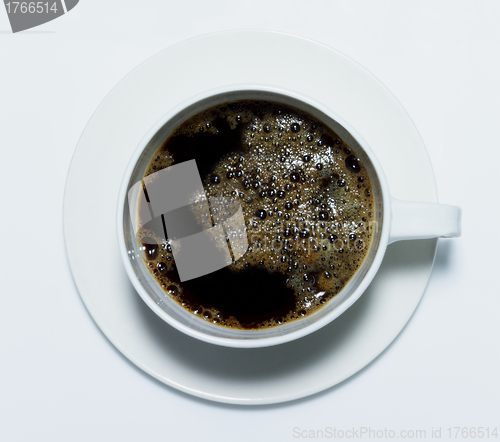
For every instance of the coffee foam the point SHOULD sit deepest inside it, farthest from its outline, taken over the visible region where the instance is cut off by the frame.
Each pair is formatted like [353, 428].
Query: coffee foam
[306, 199]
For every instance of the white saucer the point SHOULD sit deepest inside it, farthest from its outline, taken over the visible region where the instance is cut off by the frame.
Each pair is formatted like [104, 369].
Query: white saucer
[243, 376]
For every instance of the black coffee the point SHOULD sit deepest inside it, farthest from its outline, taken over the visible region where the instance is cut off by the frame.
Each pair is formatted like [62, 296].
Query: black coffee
[307, 202]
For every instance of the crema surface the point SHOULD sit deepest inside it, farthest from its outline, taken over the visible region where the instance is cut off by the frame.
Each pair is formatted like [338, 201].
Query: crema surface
[307, 204]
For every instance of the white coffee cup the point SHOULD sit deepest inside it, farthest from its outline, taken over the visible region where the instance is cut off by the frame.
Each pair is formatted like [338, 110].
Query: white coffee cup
[395, 220]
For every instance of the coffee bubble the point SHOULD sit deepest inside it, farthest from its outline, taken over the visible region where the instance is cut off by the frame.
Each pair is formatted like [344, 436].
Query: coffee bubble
[307, 205]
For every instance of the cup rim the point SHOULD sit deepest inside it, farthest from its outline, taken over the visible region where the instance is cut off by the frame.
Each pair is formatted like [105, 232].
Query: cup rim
[274, 340]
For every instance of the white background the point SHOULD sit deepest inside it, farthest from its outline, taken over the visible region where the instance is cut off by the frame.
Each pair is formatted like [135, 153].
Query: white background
[62, 380]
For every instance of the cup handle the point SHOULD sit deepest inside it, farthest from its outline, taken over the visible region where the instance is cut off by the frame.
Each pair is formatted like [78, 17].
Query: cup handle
[415, 220]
